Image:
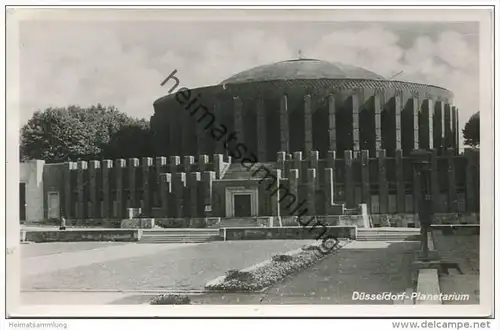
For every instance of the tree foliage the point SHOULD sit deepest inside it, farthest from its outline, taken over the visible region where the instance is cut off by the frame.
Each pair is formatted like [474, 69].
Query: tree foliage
[75, 133]
[471, 131]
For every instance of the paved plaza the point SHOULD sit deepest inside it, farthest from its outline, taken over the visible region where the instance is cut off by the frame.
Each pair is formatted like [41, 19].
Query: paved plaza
[130, 273]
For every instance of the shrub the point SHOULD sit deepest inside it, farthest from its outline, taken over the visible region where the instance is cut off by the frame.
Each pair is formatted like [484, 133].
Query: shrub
[238, 275]
[309, 248]
[282, 258]
[171, 299]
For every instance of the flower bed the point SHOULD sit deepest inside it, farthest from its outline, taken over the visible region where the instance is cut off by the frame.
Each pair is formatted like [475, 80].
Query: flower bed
[269, 272]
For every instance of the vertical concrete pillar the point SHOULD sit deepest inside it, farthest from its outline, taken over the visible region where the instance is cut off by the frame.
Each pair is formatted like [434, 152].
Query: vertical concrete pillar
[174, 164]
[281, 161]
[393, 142]
[297, 160]
[219, 113]
[349, 184]
[160, 167]
[355, 125]
[452, 185]
[308, 133]
[426, 139]
[179, 186]
[93, 207]
[80, 183]
[68, 193]
[438, 123]
[293, 182]
[165, 191]
[417, 190]
[436, 195]
[262, 131]
[107, 165]
[311, 190]
[284, 128]
[331, 158]
[470, 190]
[314, 160]
[415, 105]
[174, 134]
[194, 179]
[120, 164]
[186, 133]
[410, 126]
[208, 177]
[238, 117]
[218, 165]
[447, 127]
[457, 132]
[133, 164]
[365, 178]
[201, 139]
[332, 126]
[329, 190]
[203, 163]
[400, 184]
[275, 198]
[188, 163]
[454, 141]
[147, 163]
[382, 181]
[377, 111]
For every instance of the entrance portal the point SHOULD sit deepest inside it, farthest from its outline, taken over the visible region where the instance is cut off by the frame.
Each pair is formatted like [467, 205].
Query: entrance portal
[242, 205]
[53, 205]
[241, 202]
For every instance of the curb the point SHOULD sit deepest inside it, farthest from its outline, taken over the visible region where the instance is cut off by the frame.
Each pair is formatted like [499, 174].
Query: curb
[428, 281]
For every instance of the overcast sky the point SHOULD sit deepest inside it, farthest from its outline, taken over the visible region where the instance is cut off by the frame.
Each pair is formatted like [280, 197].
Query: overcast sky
[123, 63]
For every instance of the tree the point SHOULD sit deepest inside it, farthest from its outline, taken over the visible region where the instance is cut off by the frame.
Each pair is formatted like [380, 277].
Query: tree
[471, 131]
[75, 133]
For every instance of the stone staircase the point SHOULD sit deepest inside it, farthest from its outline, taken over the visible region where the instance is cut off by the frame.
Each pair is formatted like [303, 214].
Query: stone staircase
[389, 234]
[182, 235]
[236, 171]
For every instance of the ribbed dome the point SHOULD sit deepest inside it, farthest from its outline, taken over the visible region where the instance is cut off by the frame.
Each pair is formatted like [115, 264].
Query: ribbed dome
[302, 69]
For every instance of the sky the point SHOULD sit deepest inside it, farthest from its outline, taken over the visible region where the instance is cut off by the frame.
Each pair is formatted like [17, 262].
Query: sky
[123, 63]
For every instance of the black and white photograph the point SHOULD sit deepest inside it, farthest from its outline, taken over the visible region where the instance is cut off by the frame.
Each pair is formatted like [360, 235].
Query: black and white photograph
[265, 158]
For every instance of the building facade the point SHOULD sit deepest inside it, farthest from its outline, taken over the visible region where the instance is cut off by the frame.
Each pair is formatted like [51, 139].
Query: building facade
[315, 135]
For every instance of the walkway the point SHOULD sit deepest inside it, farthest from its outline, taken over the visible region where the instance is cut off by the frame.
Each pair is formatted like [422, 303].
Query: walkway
[370, 267]
[136, 267]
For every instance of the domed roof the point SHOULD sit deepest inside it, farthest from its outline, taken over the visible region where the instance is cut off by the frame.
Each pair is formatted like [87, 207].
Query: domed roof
[302, 69]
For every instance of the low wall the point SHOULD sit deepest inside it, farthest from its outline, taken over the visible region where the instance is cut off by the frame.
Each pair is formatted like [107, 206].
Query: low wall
[411, 220]
[262, 233]
[104, 235]
[181, 222]
[90, 223]
[459, 230]
[138, 223]
[328, 220]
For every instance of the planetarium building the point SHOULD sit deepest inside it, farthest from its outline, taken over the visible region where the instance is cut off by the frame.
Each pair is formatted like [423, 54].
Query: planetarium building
[305, 134]
[305, 105]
